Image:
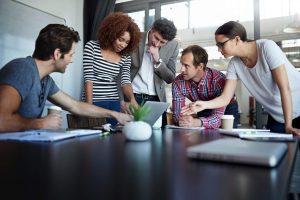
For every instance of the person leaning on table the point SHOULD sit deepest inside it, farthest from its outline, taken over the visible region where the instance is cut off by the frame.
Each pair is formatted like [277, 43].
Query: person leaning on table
[199, 82]
[25, 85]
[265, 71]
[107, 58]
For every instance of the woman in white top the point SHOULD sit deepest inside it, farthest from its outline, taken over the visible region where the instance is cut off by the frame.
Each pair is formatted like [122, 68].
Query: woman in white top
[107, 58]
[265, 71]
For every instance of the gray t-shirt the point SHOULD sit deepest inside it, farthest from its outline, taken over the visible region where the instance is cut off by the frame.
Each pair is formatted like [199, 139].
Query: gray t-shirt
[23, 75]
[260, 83]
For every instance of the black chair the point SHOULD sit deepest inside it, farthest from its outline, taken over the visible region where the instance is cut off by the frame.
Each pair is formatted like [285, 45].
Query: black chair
[75, 121]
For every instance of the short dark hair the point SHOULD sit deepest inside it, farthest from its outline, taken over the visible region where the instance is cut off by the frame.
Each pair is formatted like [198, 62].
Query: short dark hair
[166, 28]
[54, 36]
[199, 54]
[232, 29]
[114, 26]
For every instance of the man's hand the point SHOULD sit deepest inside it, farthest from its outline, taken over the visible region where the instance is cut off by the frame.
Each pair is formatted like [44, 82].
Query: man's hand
[52, 121]
[189, 121]
[154, 51]
[123, 118]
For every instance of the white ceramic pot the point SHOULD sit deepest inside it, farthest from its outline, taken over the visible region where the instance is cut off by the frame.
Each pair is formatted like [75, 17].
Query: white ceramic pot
[137, 131]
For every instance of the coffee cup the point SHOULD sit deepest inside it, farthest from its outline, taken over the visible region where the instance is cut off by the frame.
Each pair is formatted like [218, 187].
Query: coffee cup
[54, 109]
[227, 122]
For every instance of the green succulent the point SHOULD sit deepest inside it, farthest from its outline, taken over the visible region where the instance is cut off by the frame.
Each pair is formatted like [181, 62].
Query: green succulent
[139, 112]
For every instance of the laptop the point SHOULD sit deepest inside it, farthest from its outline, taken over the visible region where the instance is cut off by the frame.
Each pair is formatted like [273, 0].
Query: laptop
[234, 150]
[156, 110]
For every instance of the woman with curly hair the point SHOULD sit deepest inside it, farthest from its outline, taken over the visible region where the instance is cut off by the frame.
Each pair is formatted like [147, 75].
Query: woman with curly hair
[108, 58]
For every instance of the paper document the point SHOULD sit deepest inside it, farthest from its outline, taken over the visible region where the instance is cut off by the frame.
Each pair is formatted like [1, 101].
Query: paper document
[47, 135]
[187, 128]
[239, 131]
[267, 136]
[255, 133]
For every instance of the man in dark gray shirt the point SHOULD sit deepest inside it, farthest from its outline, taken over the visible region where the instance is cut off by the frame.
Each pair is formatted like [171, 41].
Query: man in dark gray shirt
[25, 85]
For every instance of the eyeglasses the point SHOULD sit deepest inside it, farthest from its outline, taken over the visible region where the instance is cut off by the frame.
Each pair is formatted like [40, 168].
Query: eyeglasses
[221, 44]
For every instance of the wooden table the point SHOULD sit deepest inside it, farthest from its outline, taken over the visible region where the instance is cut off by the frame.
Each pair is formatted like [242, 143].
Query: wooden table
[110, 167]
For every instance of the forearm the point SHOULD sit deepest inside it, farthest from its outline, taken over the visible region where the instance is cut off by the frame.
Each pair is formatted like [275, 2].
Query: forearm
[167, 70]
[225, 98]
[166, 73]
[286, 101]
[217, 102]
[214, 120]
[15, 122]
[88, 86]
[128, 93]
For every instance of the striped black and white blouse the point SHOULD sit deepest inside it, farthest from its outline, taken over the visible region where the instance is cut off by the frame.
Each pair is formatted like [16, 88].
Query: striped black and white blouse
[103, 73]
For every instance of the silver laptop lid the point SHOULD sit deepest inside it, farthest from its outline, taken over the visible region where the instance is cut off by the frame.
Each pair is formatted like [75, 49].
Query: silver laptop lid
[157, 109]
[239, 151]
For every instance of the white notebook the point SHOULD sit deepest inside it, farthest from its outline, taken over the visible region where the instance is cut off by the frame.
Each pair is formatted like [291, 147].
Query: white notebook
[180, 127]
[234, 150]
[253, 134]
[47, 135]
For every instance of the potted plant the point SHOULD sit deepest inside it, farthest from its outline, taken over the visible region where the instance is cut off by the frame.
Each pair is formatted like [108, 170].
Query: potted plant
[138, 130]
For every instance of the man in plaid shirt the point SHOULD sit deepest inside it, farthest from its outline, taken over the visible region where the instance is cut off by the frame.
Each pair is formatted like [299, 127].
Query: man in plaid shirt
[198, 82]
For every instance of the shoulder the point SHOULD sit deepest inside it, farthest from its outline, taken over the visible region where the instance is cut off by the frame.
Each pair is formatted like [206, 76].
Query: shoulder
[179, 79]
[92, 43]
[266, 44]
[126, 58]
[173, 43]
[215, 73]
[20, 73]
[20, 65]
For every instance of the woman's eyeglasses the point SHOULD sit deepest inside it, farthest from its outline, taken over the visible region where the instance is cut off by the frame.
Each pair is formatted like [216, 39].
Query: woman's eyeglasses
[221, 44]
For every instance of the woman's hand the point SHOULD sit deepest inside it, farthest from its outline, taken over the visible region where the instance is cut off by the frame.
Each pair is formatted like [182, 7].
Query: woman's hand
[193, 108]
[292, 130]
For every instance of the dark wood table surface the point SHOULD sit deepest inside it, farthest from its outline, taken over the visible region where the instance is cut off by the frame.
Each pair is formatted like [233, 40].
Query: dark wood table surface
[111, 167]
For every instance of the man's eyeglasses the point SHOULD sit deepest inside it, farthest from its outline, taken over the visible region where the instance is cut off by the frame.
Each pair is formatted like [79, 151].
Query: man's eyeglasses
[221, 44]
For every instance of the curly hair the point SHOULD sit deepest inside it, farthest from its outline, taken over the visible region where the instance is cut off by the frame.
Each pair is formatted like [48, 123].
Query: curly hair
[114, 26]
[166, 28]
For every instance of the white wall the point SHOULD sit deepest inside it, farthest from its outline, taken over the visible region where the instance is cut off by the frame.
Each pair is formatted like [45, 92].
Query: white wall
[72, 12]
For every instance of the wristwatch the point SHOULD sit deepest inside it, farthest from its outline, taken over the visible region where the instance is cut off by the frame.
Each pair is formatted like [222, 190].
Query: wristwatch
[157, 64]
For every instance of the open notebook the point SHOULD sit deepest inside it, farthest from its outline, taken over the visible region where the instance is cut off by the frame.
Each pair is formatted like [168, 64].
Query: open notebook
[47, 135]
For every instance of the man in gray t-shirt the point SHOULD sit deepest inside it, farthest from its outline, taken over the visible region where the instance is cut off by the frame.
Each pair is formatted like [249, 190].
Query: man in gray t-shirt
[25, 85]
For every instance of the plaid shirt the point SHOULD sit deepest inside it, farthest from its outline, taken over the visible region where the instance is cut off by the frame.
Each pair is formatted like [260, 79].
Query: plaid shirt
[209, 87]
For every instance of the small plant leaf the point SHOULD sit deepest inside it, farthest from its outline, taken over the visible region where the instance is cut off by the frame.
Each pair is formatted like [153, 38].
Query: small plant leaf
[139, 112]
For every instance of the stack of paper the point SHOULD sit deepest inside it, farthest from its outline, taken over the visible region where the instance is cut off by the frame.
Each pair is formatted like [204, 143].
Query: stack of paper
[47, 135]
[257, 134]
[180, 127]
